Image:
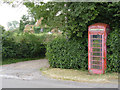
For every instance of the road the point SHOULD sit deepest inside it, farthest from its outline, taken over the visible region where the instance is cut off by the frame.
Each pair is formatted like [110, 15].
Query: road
[27, 75]
[15, 83]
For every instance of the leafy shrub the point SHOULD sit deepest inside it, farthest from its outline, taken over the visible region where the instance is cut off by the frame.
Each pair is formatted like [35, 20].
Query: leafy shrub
[25, 45]
[113, 51]
[22, 46]
[63, 53]
[79, 17]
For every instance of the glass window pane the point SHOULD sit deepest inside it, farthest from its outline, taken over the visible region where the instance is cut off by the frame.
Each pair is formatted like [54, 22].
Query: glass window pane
[96, 51]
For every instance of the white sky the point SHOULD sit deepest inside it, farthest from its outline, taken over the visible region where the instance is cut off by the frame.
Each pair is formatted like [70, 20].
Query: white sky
[8, 13]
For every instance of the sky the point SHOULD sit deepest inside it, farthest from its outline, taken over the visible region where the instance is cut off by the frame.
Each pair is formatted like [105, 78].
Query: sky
[8, 14]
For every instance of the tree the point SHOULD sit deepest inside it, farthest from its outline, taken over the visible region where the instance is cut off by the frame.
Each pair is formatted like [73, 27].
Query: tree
[13, 25]
[24, 21]
[2, 29]
[75, 17]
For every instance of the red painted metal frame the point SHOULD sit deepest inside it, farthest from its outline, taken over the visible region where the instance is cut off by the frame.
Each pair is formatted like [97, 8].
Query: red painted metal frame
[104, 34]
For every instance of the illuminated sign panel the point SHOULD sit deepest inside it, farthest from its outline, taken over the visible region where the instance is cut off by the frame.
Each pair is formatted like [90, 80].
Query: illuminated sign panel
[96, 29]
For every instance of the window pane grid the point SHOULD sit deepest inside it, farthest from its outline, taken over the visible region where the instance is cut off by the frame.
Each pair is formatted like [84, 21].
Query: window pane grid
[96, 51]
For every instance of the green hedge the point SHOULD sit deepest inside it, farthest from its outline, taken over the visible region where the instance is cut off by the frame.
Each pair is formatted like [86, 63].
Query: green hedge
[25, 45]
[63, 53]
[67, 54]
[113, 51]
[22, 46]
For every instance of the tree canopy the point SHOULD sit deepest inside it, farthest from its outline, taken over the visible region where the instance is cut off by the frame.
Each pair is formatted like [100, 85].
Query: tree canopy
[24, 21]
[73, 18]
[13, 25]
[2, 29]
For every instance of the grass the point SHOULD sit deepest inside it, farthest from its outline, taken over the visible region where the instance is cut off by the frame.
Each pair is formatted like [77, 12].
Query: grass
[80, 76]
[11, 60]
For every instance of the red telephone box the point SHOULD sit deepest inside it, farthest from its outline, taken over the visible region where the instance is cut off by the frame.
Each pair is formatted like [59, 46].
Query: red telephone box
[97, 35]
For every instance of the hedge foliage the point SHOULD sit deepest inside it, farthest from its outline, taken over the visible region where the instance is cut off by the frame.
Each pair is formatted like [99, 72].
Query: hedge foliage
[73, 18]
[113, 51]
[24, 45]
[72, 54]
[79, 17]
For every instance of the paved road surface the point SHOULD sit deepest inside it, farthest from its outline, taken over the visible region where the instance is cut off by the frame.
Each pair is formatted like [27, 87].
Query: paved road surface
[14, 83]
[27, 75]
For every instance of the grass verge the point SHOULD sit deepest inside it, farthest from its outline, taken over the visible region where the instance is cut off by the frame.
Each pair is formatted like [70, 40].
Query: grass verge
[80, 76]
[11, 60]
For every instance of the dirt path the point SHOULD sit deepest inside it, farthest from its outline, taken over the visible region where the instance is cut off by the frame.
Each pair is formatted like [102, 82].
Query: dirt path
[24, 70]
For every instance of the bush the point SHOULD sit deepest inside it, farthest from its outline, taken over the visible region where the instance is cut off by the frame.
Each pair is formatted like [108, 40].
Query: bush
[25, 45]
[113, 51]
[67, 54]
[72, 54]
[22, 46]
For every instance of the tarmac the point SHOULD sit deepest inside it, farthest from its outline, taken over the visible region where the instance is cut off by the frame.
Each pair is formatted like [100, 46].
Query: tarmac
[27, 74]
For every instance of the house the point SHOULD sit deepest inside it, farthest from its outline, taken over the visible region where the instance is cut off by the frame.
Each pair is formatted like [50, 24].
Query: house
[30, 28]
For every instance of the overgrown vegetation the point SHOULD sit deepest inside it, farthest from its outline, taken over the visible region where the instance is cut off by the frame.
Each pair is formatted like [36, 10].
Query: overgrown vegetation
[69, 51]
[24, 45]
[75, 17]
[69, 54]
[72, 54]
[79, 17]
[24, 21]
[113, 51]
